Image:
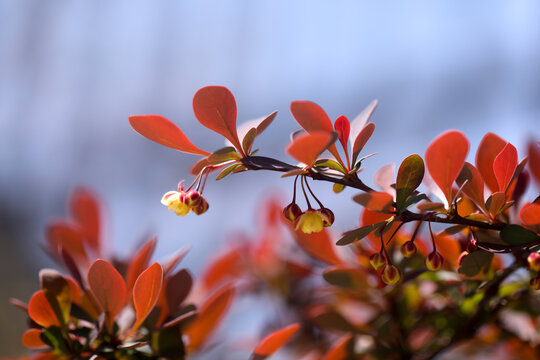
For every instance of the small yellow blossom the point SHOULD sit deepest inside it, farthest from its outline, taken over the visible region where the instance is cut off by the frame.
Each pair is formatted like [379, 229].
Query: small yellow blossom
[311, 221]
[174, 201]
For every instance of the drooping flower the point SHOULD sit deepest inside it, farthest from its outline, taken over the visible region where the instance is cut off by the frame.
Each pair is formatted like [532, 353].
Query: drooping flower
[176, 201]
[312, 221]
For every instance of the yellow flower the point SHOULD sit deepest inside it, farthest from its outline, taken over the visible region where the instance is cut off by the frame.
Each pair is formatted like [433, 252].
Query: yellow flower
[311, 221]
[174, 201]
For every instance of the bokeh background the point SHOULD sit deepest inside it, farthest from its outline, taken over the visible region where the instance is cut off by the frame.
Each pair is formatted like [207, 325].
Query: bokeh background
[71, 72]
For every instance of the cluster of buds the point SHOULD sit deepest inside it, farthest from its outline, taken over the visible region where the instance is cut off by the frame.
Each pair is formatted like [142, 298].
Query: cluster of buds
[389, 273]
[308, 221]
[182, 202]
[534, 265]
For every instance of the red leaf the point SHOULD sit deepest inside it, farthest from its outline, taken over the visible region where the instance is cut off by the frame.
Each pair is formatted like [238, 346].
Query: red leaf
[61, 235]
[362, 139]
[534, 160]
[85, 209]
[505, 165]
[343, 127]
[210, 315]
[215, 108]
[41, 311]
[274, 341]
[306, 148]
[530, 214]
[32, 339]
[319, 246]
[490, 146]
[227, 265]
[445, 157]
[164, 132]
[314, 119]
[146, 293]
[140, 262]
[339, 350]
[375, 201]
[474, 188]
[174, 260]
[360, 121]
[109, 288]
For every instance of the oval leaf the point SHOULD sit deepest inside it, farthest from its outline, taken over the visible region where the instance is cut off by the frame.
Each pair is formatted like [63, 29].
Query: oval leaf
[505, 165]
[359, 122]
[164, 132]
[139, 262]
[490, 146]
[85, 208]
[274, 341]
[471, 264]
[361, 140]
[517, 235]
[410, 175]
[41, 311]
[530, 214]
[533, 151]
[343, 127]
[109, 289]
[341, 349]
[215, 108]
[146, 293]
[32, 339]
[445, 157]
[306, 148]
[474, 188]
[318, 245]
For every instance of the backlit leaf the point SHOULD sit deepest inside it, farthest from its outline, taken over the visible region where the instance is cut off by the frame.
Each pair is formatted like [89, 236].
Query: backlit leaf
[227, 265]
[504, 165]
[146, 293]
[41, 311]
[274, 342]
[58, 293]
[533, 151]
[139, 262]
[215, 108]
[61, 235]
[109, 288]
[471, 264]
[361, 140]
[222, 155]
[474, 188]
[343, 128]
[306, 148]
[410, 175]
[384, 178]
[340, 350]
[496, 202]
[445, 157]
[375, 201]
[85, 209]
[210, 316]
[164, 132]
[331, 164]
[517, 235]
[490, 146]
[530, 214]
[318, 245]
[32, 339]
[247, 141]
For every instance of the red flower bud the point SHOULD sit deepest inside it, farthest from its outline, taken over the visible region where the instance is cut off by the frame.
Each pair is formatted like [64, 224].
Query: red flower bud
[202, 208]
[193, 198]
[292, 212]
[471, 246]
[434, 261]
[377, 261]
[408, 249]
[390, 275]
[534, 261]
[330, 217]
[535, 283]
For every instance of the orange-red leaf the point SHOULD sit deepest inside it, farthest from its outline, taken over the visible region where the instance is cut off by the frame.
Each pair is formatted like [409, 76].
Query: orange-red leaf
[474, 188]
[210, 315]
[530, 214]
[224, 267]
[85, 209]
[318, 245]
[164, 132]
[61, 235]
[275, 341]
[140, 262]
[505, 165]
[109, 288]
[490, 146]
[375, 201]
[32, 339]
[343, 127]
[146, 293]
[445, 157]
[306, 148]
[339, 350]
[215, 108]
[41, 311]
[534, 160]
[362, 139]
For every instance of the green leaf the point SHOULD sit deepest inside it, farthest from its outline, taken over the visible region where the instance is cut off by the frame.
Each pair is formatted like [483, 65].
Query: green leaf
[52, 336]
[357, 234]
[342, 276]
[475, 262]
[226, 171]
[331, 164]
[517, 235]
[410, 175]
[168, 342]
[248, 140]
[337, 188]
[222, 155]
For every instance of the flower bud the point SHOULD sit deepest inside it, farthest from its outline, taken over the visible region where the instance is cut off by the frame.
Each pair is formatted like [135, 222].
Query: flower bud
[377, 261]
[408, 249]
[390, 275]
[329, 220]
[534, 261]
[292, 212]
[471, 246]
[193, 198]
[434, 261]
[202, 208]
[535, 283]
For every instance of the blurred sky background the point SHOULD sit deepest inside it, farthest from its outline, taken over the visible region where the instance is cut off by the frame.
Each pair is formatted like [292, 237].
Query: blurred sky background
[71, 72]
